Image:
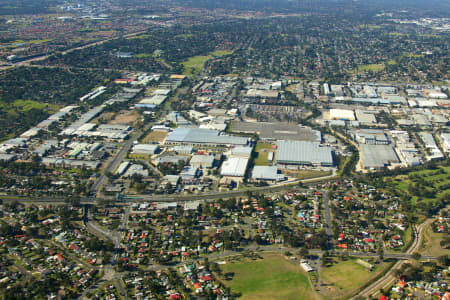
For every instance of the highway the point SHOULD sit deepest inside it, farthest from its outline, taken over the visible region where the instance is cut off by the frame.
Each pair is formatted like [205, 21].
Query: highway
[27, 62]
[210, 196]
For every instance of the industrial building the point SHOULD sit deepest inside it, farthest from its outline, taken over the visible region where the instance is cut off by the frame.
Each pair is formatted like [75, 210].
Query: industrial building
[304, 153]
[234, 167]
[445, 138]
[269, 94]
[365, 117]
[267, 173]
[198, 136]
[70, 163]
[342, 114]
[375, 157]
[152, 102]
[146, 149]
[370, 136]
[278, 131]
[122, 168]
[202, 161]
[241, 151]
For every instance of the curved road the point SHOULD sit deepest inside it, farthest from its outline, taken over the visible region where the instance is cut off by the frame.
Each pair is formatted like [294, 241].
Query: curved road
[390, 278]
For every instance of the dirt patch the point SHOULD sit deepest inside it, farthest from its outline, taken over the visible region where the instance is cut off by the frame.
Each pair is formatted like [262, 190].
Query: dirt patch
[104, 118]
[157, 136]
[125, 118]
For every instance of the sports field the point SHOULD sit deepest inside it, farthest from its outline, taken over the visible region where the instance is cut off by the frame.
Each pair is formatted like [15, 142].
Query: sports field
[273, 277]
[196, 63]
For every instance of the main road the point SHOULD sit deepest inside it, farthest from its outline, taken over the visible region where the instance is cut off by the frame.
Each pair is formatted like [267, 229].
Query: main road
[117, 159]
[210, 196]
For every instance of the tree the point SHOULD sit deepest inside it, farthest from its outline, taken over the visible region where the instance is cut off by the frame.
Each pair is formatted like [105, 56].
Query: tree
[303, 252]
[444, 260]
[416, 256]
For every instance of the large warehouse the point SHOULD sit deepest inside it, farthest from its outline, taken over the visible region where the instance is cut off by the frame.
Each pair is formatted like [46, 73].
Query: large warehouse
[304, 153]
[342, 114]
[234, 167]
[278, 131]
[377, 156]
[199, 136]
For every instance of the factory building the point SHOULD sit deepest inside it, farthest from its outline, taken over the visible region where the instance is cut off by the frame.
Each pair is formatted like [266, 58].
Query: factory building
[304, 153]
[342, 114]
[375, 157]
[234, 167]
[266, 173]
[198, 136]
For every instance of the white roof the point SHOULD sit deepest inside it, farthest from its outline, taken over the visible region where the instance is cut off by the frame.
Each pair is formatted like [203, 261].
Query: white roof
[234, 166]
[342, 114]
[265, 172]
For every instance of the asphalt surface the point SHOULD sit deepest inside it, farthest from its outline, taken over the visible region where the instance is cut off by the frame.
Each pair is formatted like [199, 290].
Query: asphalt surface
[327, 214]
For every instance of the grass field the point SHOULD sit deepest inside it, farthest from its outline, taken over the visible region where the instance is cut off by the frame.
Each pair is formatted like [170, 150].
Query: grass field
[155, 137]
[196, 63]
[345, 276]
[273, 277]
[306, 174]
[263, 150]
[371, 67]
[35, 42]
[143, 55]
[25, 105]
[430, 245]
[432, 179]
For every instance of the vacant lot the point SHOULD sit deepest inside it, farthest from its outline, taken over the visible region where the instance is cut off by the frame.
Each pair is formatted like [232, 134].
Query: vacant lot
[306, 174]
[431, 243]
[125, 118]
[345, 276]
[156, 136]
[263, 150]
[104, 117]
[273, 277]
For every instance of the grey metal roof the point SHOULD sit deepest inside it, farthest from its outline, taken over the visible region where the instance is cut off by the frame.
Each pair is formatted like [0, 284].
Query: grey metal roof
[377, 156]
[203, 136]
[301, 152]
[265, 172]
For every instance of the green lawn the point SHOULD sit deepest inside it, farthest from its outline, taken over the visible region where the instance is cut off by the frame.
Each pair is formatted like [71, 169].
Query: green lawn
[26, 105]
[143, 55]
[432, 178]
[346, 276]
[371, 67]
[263, 150]
[308, 174]
[273, 277]
[431, 243]
[196, 63]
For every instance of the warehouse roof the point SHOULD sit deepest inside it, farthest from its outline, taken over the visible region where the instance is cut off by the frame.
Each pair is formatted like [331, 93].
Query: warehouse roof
[278, 131]
[234, 166]
[202, 159]
[342, 114]
[203, 136]
[145, 148]
[265, 172]
[301, 152]
[377, 156]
